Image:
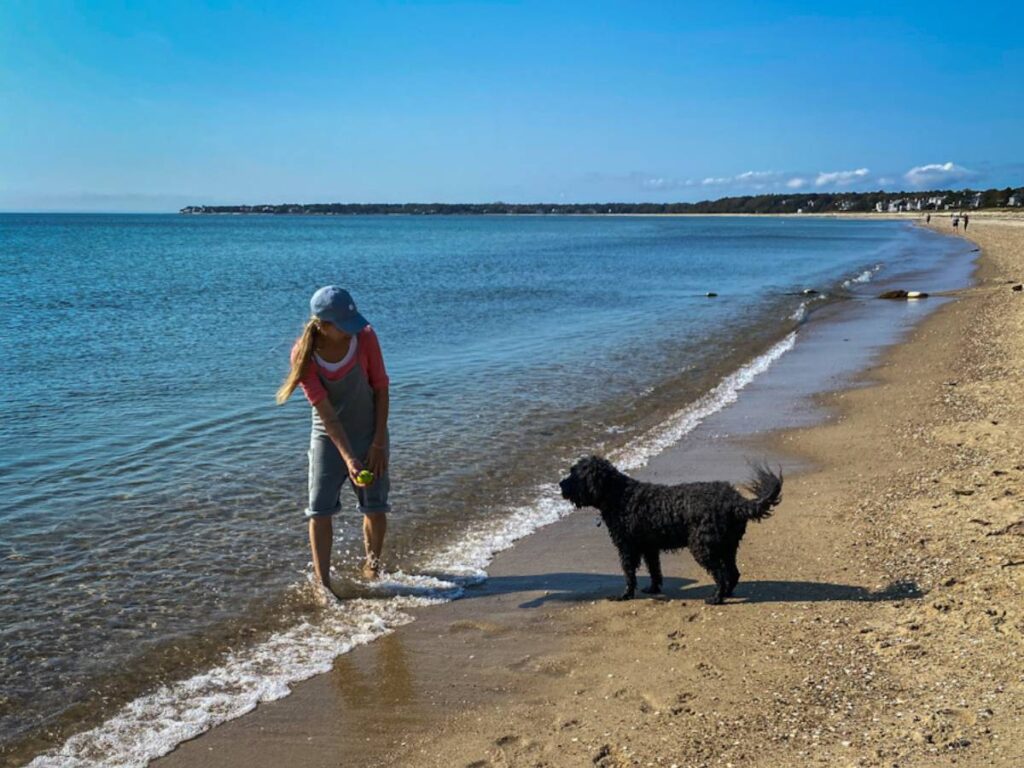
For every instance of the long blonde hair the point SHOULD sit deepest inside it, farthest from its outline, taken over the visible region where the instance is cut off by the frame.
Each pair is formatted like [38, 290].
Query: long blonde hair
[302, 352]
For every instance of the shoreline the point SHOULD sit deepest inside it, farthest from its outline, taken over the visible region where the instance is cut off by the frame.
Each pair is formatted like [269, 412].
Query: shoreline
[516, 687]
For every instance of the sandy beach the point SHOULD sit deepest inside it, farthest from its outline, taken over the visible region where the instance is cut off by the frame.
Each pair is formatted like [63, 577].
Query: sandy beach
[879, 621]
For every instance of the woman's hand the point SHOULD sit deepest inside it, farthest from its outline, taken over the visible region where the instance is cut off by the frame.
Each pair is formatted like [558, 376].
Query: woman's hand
[354, 468]
[377, 460]
[337, 434]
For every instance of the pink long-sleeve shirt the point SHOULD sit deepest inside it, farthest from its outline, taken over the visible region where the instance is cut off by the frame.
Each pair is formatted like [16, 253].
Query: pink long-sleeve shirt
[367, 354]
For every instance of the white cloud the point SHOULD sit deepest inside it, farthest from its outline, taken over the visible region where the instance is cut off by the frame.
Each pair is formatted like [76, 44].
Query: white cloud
[661, 183]
[757, 176]
[938, 174]
[840, 178]
[639, 179]
[782, 181]
[757, 180]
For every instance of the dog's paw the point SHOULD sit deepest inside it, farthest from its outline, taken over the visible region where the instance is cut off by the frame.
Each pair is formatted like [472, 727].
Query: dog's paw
[622, 597]
[651, 590]
[714, 600]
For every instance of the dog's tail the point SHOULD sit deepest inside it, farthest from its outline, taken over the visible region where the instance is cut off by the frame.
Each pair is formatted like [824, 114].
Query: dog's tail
[767, 489]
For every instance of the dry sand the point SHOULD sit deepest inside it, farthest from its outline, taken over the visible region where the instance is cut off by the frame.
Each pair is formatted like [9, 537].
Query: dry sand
[879, 622]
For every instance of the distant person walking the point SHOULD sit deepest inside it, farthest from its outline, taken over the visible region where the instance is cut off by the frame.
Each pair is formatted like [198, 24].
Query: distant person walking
[928, 219]
[966, 219]
[338, 363]
[956, 222]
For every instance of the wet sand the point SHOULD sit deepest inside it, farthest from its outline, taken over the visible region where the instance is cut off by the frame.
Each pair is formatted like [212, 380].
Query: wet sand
[879, 620]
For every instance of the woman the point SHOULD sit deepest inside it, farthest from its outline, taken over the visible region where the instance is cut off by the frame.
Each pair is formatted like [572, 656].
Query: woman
[338, 363]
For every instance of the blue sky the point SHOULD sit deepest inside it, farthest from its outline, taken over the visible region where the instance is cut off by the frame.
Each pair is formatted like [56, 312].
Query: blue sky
[144, 106]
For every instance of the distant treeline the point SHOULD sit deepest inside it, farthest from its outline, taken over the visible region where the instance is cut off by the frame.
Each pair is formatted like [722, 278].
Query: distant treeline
[838, 202]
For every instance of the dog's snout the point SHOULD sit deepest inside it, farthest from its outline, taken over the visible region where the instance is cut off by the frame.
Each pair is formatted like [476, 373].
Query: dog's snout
[567, 485]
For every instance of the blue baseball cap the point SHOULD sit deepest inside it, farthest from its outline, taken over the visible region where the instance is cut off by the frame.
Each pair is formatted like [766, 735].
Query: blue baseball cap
[335, 305]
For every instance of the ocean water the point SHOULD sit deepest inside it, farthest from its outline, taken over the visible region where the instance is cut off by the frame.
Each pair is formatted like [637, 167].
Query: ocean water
[154, 564]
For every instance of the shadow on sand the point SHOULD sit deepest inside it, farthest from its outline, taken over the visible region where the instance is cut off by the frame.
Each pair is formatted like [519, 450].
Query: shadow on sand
[581, 587]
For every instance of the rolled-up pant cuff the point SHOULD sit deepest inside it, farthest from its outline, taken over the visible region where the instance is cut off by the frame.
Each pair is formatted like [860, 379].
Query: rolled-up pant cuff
[311, 513]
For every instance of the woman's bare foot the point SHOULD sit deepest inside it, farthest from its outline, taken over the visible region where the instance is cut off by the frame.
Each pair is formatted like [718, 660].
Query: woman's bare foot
[371, 568]
[325, 594]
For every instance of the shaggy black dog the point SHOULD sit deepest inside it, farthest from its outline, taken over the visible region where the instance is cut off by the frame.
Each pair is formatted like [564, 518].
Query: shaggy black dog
[645, 519]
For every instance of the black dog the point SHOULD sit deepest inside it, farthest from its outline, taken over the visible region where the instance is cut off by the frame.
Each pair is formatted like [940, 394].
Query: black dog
[645, 519]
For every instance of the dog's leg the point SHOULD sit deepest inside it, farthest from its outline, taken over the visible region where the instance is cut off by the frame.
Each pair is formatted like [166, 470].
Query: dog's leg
[653, 561]
[630, 559]
[733, 574]
[720, 573]
[711, 562]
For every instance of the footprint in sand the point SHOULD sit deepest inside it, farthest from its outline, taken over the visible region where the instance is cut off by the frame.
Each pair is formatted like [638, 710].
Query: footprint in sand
[681, 706]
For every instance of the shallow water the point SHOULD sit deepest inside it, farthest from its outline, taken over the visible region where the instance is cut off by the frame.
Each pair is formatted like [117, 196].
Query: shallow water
[151, 526]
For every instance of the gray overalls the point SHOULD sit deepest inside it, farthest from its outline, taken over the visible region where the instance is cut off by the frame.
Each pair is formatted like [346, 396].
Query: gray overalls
[352, 399]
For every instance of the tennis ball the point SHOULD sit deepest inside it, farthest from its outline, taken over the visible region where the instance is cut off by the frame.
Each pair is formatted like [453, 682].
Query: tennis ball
[365, 477]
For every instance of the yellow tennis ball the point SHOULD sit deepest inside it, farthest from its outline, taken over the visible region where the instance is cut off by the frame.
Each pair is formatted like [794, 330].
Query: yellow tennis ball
[365, 477]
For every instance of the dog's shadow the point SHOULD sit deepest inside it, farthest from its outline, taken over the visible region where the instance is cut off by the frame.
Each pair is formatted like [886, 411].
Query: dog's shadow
[564, 587]
[806, 592]
[585, 587]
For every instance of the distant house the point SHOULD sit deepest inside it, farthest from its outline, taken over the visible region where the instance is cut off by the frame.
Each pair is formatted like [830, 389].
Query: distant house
[1015, 201]
[879, 207]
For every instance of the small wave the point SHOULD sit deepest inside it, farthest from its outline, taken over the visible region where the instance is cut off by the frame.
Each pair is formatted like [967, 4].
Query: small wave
[800, 313]
[689, 418]
[466, 559]
[864, 277]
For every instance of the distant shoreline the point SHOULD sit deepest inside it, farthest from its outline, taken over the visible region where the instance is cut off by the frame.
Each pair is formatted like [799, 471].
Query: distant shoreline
[933, 201]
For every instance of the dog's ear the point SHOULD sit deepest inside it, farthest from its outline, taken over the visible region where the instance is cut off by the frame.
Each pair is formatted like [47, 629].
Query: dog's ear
[593, 473]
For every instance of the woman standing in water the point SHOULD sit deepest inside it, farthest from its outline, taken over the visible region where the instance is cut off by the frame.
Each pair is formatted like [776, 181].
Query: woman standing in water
[338, 364]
